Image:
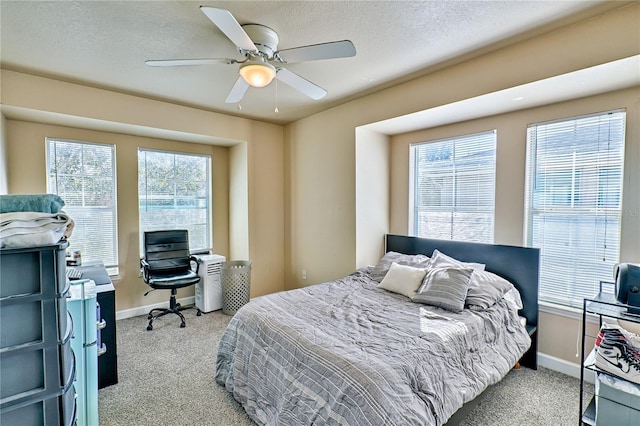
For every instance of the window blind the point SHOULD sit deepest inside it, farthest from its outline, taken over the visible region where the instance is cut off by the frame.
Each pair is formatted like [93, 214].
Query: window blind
[174, 192]
[83, 174]
[453, 182]
[573, 203]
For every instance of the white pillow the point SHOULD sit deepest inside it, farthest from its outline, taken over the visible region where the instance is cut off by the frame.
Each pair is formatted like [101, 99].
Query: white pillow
[441, 260]
[403, 279]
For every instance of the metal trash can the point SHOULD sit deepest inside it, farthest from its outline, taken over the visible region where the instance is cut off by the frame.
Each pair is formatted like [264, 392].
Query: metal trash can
[235, 280]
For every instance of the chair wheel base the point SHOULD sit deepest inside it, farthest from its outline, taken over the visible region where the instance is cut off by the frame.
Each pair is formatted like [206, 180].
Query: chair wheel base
[174, 308]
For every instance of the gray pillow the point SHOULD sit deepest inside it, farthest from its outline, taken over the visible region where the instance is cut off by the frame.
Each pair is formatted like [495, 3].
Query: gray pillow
[441, 260]
[413, 260]
[485, 289]
[445, 288]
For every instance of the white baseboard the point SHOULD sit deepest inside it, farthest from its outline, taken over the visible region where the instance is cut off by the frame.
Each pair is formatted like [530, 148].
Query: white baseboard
[560, 365]
[144, 310]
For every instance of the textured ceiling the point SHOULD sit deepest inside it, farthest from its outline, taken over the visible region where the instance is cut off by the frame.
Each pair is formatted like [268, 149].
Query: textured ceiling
[105, 44]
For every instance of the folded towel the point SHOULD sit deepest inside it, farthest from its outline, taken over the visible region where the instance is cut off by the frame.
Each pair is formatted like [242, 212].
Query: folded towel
[43, 203]
[29, 229]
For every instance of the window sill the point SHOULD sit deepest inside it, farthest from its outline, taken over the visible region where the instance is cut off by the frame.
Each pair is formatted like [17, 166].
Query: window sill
[565, 311]
[114, 273]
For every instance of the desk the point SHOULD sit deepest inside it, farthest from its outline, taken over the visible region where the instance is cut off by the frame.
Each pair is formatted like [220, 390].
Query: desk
[106, 297]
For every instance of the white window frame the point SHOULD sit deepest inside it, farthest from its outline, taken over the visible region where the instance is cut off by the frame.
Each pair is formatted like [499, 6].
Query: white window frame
[208, 237]
[455, 209]
[87, 244]
[565, 281]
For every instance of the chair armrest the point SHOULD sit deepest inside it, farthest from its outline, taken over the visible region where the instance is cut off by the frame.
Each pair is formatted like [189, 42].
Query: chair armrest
[144, 265]
[195, 259]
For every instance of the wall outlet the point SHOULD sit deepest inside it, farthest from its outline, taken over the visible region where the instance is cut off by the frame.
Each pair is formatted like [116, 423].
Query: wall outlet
[304, 274]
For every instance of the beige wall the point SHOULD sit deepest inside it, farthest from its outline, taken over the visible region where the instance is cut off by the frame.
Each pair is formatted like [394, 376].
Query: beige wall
[321, 198]
[266, 208]
[3, 156]
[560, 335]
[239, 206]
[372, 191]
[38, 107]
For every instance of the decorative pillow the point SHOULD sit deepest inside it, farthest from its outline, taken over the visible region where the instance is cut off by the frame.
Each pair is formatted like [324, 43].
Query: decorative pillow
[403, 279]
[441, 260]
[445, 288]
[415, 260]
[485, 289]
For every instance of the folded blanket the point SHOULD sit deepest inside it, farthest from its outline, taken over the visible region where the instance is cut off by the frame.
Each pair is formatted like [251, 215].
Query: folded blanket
[29, 229]
[43, 203]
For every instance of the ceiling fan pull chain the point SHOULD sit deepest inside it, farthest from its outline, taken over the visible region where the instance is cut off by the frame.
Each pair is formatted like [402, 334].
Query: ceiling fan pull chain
[276, 110]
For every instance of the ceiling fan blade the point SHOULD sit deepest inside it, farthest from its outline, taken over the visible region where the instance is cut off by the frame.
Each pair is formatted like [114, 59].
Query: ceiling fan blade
[224, 20]
[237, 91]
[314, 52]
[182, 62]
[301, 84]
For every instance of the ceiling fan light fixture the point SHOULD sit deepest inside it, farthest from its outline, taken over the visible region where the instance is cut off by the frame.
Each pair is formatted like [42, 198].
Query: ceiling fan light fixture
[257, 74]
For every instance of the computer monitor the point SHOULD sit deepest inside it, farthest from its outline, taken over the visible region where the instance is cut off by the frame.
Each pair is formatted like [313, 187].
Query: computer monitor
[628, 283]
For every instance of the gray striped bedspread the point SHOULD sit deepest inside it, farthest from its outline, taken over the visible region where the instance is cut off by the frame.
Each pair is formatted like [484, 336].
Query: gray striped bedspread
[349, 353]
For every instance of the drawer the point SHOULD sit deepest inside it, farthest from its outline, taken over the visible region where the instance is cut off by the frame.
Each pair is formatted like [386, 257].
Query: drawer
[32, 320]
[58, 409]
[21, 372]
[29, 271]
[33, 371]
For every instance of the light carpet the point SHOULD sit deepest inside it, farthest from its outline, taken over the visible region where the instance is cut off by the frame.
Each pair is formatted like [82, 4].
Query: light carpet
[166, 377]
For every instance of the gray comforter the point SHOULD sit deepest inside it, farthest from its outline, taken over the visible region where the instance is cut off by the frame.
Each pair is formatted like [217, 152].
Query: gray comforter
[349, 353]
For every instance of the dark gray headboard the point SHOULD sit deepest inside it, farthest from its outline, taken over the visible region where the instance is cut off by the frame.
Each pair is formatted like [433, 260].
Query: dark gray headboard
[519, 265]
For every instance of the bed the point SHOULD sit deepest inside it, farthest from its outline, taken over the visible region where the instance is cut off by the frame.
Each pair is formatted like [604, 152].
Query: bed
[349, 352]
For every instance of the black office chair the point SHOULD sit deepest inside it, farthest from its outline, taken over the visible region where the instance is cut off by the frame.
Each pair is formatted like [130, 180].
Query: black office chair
[167, 266]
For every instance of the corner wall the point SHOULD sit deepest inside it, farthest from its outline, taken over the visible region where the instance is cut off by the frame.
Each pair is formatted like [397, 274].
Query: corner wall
[372, 192]
[238, 203]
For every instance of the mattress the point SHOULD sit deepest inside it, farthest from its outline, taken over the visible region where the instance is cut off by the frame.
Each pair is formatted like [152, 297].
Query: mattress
[347, 352]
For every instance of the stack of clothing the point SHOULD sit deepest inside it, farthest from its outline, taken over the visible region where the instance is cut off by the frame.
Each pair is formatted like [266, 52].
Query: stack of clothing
[618, 352]
[33, 220]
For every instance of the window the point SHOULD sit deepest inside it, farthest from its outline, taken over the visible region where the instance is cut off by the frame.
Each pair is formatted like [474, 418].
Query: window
[453, 188]
[83, 174]
[573, 203]
[174, 193]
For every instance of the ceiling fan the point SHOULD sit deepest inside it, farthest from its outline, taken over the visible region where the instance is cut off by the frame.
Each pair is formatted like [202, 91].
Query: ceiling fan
[262, 61]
